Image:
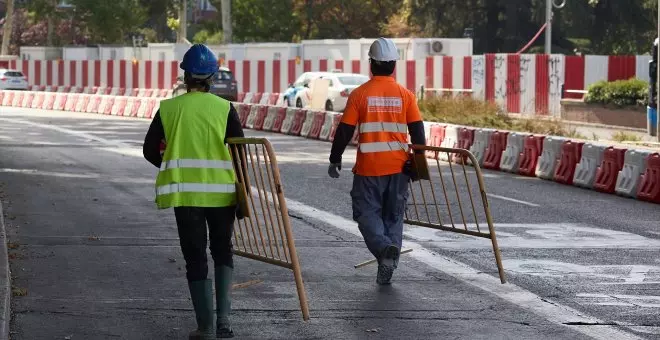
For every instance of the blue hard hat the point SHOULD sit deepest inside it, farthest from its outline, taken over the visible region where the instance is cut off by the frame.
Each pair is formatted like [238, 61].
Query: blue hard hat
[199, 60]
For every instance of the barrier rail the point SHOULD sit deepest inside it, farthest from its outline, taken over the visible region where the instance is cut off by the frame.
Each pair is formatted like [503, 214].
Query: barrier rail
[432, 215]
[264, 234]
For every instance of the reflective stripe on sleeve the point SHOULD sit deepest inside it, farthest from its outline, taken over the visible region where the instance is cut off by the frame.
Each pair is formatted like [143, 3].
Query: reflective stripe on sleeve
[383, 127]
[195, 187]
[196, 163]
[383, 146]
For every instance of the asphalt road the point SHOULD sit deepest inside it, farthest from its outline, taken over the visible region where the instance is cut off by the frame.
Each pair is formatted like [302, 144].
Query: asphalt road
[92, 258]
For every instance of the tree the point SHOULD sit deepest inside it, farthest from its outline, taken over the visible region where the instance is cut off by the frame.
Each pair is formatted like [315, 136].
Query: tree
[7, 28]
[258, 20]
[110, 22]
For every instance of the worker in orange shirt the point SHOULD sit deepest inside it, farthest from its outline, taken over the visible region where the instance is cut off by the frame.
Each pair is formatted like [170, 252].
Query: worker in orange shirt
[385, 112]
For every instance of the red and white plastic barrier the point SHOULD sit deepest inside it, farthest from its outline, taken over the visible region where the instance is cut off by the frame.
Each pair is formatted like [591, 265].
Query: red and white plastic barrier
[631, 173]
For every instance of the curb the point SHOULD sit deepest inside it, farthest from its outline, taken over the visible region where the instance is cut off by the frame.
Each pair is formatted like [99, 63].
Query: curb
[5, 280]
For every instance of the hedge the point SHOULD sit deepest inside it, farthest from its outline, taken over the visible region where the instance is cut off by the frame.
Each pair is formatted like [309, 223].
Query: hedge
[632, 92]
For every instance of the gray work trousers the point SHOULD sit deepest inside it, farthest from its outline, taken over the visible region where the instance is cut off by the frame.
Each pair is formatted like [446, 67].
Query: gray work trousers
[379, 204]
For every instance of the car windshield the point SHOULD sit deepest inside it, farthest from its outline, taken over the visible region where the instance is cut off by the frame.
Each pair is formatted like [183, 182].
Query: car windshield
[223, 75]
[13, 74]
[353, 80]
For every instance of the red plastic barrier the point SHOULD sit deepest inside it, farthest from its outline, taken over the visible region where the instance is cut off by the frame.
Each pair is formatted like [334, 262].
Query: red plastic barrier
[84, 101]
[317, 125]
[2, 96]
[335, 123]
[649, 186]
[244, 112]
[59, 105]
[108, 106]
[106, 91]
[240, 97]
[151, 105]
[465, 140]
[27, 102]
[96, 102]
[49, 101]
[272, 100]
[436, 136]
[571, 152]
[18, 100]
[608, 171]
[136, 107]
[9, 98]
[120, 105]
[298, 121]
[257, 98]
[494, 150]
[279, 119]
[133, 92]
[38, 100]
[259, 120]
[529, 158]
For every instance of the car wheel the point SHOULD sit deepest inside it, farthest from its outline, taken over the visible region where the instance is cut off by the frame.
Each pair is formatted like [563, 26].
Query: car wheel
[328, 106]
[299, 103]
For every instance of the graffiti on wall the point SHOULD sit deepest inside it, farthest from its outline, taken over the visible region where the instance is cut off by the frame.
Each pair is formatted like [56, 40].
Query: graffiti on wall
[478, 77]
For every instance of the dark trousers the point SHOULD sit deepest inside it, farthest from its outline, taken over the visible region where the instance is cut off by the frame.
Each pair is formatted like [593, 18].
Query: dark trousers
[192, 223]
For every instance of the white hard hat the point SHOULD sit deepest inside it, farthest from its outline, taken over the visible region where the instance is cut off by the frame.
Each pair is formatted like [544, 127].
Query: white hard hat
[383, 50]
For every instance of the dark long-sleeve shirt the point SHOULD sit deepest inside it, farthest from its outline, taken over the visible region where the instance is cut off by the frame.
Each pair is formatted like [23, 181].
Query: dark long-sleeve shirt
[156, 133]
[344, 134]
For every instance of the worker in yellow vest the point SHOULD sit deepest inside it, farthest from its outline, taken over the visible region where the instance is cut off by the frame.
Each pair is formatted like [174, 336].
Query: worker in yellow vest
[197, 179]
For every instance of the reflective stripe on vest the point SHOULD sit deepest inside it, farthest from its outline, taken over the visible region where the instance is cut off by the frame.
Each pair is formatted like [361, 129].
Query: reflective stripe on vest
[196, 163]
[196, 187]
[383, 127]
[383, 147]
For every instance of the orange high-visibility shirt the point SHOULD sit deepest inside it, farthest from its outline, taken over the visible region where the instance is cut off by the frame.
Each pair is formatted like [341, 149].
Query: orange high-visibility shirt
[382, 109]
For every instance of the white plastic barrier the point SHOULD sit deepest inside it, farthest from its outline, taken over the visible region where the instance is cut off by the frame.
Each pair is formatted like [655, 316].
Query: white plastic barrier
[105, 100]
[634, 165]
[327, 127]
[450, 140]
[18, 98]
[252, 116]
[270, 118]
[248, 98]
[264, 98]
[26, 97]
[49, 88]
[80, 107]
[288, 120]
[48, 98]
[130, 104]
[585, 171]
[548, 160]
[60, 101]
[510, 161]
[309, 122]
[114, 91]
[478, 148]
[8, 98]
[280, 100]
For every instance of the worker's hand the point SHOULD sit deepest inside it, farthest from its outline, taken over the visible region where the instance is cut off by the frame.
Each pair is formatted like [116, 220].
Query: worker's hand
[333, 170]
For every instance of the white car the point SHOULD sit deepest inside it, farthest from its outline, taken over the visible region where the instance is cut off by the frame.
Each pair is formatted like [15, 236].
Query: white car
[12, 80]
[341, 85]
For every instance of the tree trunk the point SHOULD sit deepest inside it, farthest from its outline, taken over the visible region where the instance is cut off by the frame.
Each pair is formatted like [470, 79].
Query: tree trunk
[6, 34]
[226, 21]
[183, 22]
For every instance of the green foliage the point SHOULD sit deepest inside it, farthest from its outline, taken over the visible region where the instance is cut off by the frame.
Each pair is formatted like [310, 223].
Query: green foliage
[205, 37]
[110, 22]
[622, 136]
[632, 92]
[258, 20]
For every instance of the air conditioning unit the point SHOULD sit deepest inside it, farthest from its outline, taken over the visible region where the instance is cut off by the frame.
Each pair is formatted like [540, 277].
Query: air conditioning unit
[437, 47]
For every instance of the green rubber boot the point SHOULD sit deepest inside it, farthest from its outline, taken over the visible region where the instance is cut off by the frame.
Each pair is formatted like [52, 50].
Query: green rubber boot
[223, 279]
[202, 297]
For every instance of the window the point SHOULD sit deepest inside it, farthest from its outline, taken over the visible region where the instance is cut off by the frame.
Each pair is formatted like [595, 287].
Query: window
[223, 75]
[14, 74]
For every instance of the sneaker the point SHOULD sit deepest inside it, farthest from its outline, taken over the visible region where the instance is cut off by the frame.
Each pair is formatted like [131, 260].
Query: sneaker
[386, 265]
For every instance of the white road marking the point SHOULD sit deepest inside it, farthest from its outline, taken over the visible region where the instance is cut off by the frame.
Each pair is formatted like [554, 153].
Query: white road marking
[512, 200]
[553, 312]
[37, 172]
[537, 236]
